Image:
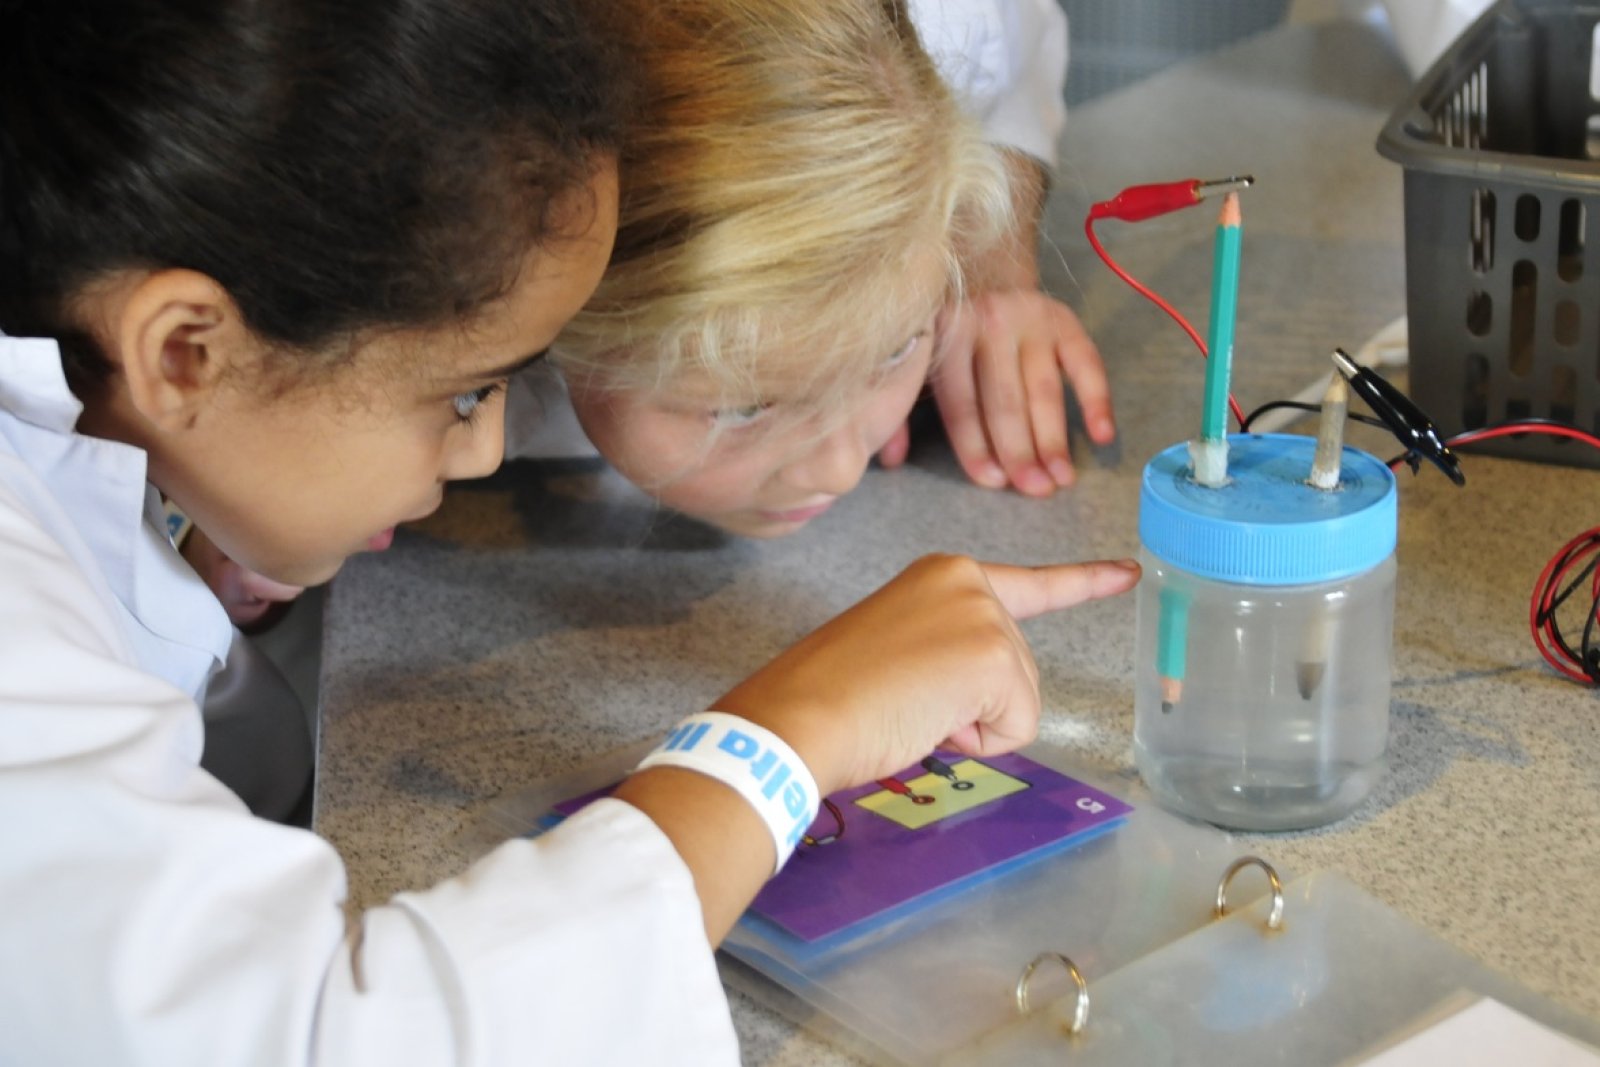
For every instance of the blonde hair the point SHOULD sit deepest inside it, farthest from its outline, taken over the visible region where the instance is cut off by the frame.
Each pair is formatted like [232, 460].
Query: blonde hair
[795, 173]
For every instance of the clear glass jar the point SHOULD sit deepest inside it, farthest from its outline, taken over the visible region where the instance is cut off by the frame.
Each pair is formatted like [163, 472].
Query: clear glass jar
[1265, 636]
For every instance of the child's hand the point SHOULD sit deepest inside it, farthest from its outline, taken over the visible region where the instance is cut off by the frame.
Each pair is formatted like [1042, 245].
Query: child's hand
[933, 658]
[246, 595]
[1005, 355]
[1005, 352]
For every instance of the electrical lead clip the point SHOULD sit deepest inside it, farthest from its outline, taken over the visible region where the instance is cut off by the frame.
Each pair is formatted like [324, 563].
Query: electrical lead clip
[935, 765]
[1415, 431]
[1223, 186]
[1139, 202]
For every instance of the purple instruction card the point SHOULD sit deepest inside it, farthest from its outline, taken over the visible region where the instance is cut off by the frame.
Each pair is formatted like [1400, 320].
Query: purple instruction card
[931, 830]
[883, 850]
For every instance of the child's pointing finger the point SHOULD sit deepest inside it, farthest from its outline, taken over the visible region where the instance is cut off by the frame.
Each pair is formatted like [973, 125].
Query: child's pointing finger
[1029, 591]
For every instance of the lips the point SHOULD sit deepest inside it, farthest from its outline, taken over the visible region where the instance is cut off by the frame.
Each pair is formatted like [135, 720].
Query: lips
[384, 538]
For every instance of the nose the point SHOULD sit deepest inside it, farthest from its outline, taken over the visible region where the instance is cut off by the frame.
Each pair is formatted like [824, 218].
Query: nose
[833, 464]
[477, 451]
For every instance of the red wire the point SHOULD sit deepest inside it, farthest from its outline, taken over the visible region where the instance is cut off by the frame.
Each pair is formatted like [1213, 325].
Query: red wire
[1150, 295]
[1550, 580]
[1573, 432]
[1141, 202]
[1545, 591]
[1511, 429]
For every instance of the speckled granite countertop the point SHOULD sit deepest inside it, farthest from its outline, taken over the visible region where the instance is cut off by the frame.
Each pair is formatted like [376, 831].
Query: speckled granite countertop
[550, 614]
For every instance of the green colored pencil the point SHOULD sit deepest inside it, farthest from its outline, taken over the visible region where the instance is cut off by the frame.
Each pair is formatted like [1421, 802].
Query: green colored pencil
[1224, 312]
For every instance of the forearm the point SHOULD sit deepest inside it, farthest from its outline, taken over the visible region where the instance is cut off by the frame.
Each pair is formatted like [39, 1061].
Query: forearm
[719, 836]
[728, 848]
[1012, 262]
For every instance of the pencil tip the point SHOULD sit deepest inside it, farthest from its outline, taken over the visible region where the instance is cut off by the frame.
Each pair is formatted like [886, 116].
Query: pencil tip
[1166, 707]
[1171, 692]
[1231, 215]
[1307, 677]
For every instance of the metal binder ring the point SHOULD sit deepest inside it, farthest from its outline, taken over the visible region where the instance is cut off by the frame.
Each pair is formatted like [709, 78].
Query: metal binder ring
[1080, 1014]
[1274, 917]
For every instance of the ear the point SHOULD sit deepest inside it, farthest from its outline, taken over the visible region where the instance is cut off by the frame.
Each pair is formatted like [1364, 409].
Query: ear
[177, 334]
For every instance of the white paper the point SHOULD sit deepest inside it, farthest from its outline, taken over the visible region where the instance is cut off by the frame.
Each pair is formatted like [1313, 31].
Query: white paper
[1487, 1034]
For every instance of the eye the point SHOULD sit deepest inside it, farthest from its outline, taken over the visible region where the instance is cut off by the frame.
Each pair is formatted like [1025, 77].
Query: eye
[904, 353]
[734, 418]
[467, 405]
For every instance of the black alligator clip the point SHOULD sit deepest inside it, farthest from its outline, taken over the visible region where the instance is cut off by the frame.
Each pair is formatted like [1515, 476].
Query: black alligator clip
[1415, 431]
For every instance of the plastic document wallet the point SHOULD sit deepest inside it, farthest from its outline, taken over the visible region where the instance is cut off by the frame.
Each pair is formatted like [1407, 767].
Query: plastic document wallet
[1128, 895]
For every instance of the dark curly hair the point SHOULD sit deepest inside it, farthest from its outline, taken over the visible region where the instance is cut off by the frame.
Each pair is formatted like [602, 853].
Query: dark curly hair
[336, 166]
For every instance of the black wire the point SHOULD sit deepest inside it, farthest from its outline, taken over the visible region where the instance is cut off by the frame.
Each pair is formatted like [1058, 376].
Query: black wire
[1587, 655]
[1590, 663]
[1572, 586]
[1533, 423]
[1274, 405]
[1591, 654]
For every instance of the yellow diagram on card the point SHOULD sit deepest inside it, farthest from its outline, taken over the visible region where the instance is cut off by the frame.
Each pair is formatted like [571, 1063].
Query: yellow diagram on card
[980, 784]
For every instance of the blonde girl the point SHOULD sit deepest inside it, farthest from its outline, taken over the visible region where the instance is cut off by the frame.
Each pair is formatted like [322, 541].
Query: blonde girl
[801, 196]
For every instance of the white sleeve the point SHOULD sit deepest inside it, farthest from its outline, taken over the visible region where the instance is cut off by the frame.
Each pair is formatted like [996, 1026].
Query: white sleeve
[150, 920]
[1423, 29]
[1006, 60]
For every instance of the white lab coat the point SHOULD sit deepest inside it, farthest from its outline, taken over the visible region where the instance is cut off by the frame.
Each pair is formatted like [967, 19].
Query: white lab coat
[149, 919]
[1420, 29]
[1006, 61]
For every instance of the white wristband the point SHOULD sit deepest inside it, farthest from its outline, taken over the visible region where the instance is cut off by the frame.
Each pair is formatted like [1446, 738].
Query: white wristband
[751, 759]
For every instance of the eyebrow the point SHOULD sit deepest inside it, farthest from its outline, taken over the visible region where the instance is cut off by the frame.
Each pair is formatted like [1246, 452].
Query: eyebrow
[507, 370]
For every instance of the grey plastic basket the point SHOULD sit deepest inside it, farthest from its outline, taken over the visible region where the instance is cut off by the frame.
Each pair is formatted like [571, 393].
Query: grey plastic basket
[1500, 142]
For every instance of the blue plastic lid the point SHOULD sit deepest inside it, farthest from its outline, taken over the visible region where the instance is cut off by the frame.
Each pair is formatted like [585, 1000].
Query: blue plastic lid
[1268, 526]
